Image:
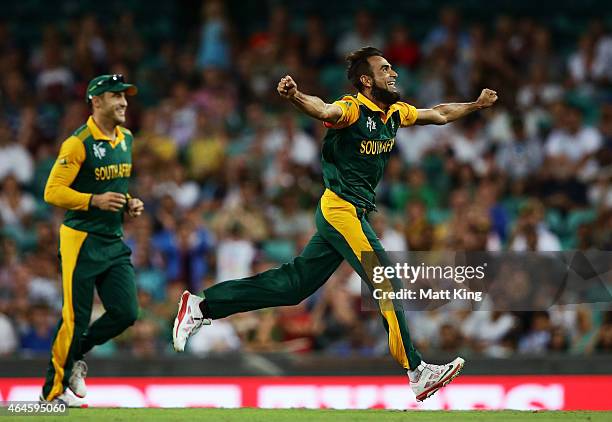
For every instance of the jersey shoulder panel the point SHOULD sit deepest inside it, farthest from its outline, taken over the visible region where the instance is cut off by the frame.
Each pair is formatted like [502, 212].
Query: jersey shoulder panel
[82, 133]
[72, 150]
[408, 113]
[350, 112]
[126, 131]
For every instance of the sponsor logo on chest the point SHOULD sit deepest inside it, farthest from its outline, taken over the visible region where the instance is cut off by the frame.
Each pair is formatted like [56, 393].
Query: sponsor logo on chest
[371, 124]
[99, 150]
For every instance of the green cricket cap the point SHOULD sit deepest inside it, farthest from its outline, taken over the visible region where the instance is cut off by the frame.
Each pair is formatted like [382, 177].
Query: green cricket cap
[108, 83]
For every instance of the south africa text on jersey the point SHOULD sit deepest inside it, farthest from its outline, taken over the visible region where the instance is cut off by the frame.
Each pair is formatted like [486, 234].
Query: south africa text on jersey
[113, 171]
[376, 147]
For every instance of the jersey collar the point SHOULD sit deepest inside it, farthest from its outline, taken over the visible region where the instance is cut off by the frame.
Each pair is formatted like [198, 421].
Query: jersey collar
[100, 136]
[369, 104]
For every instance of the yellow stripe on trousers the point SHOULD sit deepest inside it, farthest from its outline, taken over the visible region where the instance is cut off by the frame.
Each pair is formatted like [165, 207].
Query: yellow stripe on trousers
[71, 241]
[342, 216]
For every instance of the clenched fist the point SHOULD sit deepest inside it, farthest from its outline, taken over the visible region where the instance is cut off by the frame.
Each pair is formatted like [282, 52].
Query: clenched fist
[487, 98]
[135, 207]
[287, 88]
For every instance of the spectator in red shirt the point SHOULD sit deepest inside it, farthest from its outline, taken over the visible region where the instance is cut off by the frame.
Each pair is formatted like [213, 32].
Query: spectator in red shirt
[401, 49]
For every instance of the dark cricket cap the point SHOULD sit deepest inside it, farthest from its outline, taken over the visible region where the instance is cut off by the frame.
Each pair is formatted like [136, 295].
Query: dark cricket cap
[109, 83]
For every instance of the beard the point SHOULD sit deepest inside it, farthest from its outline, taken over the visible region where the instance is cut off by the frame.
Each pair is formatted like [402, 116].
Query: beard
[385, 96]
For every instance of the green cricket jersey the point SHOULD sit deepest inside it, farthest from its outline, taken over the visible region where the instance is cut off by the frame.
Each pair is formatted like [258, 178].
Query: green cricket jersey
[90, 163]
[357, 148]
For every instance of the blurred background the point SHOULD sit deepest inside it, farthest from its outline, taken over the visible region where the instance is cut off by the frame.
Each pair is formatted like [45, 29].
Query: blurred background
[230, 173]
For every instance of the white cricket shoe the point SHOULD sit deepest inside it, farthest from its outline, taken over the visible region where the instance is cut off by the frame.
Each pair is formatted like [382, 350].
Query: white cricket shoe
[188, 320]
[66, 398]
[428, 378]
[76, 383]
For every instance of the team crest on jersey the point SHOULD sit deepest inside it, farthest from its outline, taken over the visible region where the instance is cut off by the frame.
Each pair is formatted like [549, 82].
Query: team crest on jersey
[99, 150]
[371, 124]
[123, 146]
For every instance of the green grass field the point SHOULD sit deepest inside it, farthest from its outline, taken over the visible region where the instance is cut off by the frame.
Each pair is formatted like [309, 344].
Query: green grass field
[299, 415]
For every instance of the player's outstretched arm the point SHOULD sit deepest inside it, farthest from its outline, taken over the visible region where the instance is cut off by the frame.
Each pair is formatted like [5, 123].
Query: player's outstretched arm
[446, 113]
[309, 104]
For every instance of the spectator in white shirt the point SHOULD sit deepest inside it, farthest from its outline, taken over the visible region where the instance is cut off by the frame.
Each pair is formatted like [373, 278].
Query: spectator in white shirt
[185, 192]
[469, 145]
[15, 206]
[539, 90]
[391, 239]
[302, 148]
[14, 158]
[522, 156]
[218, 338]
[580, 63]
[531, 232]
[183, 115]
[7, 334]
[572, 141]
[602, 65]
[487, 329]
[235, 255]
[415, 142]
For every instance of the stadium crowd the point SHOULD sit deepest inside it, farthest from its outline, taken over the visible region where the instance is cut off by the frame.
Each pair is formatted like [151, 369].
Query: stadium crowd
[230, 173]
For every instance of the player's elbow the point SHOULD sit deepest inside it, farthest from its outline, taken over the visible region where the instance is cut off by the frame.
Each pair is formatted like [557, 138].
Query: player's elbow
[330, 114]
[50, 194]
[326, 116]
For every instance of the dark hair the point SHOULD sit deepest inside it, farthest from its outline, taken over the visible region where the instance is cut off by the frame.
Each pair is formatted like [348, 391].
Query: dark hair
[358, 65]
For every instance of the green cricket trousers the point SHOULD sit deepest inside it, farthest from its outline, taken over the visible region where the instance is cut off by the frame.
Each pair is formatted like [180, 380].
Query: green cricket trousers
[89, 261]
[342, 233]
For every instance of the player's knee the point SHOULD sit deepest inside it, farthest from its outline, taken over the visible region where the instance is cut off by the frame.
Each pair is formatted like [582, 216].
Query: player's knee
[126, 317]
[130, 317]
[295, 299]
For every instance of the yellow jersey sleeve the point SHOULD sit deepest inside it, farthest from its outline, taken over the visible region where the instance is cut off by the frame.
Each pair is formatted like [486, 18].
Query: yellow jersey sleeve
[350, 113]
[408, 113]
[63, 173]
